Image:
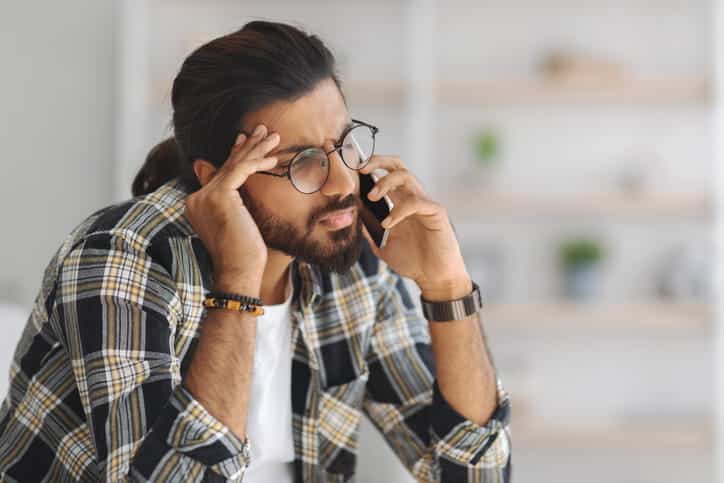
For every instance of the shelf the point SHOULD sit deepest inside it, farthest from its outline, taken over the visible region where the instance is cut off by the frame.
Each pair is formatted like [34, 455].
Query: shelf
[497, 92]
[535, 206]
[568, 316]
[650, 433]
[376, 93]
[533, 91]
[512, 92]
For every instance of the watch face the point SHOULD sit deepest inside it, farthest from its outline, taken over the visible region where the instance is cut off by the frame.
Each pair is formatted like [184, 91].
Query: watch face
[458, 309]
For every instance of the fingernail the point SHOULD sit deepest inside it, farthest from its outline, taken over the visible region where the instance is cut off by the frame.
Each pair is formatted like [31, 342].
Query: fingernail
[386, 222]
[274, 137]
[240, 138]
[259, 129]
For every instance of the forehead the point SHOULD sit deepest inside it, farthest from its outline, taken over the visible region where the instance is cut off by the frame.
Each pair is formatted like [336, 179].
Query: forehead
[312, 119]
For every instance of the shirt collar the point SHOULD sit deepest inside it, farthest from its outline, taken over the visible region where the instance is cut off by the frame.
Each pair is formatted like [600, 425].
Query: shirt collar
[307, 282]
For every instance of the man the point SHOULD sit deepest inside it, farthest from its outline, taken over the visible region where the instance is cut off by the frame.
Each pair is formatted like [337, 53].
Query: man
[123, 371]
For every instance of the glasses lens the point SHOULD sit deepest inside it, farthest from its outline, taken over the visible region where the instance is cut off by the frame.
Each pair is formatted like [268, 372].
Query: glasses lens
[309, 171]
[358, 146]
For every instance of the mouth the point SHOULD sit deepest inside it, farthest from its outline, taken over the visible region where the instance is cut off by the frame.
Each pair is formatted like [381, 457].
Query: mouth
[339, 219]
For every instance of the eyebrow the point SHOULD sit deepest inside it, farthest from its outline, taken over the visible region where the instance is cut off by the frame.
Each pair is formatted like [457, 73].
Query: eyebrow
[301, 147]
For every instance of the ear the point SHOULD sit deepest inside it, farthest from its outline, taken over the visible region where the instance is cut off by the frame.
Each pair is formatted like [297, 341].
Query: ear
[204, 171]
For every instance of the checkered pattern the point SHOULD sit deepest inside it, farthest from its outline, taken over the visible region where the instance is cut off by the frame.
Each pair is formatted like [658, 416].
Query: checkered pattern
[96, 389]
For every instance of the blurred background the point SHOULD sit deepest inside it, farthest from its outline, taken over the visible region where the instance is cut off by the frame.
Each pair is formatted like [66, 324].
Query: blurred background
[573, 142]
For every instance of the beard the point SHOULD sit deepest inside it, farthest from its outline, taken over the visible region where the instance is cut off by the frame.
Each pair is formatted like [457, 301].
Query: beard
[337, 253]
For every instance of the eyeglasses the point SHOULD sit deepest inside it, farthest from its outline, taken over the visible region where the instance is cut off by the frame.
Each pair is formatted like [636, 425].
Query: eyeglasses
[309, 169]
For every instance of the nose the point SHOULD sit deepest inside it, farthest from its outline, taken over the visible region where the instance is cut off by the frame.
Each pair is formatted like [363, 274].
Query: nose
[342, 181]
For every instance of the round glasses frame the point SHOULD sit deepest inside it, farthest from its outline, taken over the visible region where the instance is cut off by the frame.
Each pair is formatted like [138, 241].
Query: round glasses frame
[337, 148]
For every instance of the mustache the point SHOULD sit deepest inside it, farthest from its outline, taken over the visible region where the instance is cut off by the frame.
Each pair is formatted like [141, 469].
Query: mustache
[348, 202]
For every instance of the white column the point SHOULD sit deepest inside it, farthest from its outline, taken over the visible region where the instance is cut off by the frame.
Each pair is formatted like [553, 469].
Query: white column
[718, 128]
[133, 90]
[420, 104]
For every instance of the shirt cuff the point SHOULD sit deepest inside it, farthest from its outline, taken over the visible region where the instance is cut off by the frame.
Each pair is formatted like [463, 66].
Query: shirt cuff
[458, 439]
[188, 428]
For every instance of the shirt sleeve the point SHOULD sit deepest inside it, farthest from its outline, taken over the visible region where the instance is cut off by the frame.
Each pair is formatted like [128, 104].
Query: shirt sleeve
[118, 311]
[404, 402]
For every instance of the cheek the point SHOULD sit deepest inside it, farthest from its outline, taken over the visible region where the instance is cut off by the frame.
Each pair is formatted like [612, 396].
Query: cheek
[282, 201]
[297, 214]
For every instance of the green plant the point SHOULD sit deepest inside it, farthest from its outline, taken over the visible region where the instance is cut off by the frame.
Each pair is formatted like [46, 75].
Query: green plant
[487, 146]
[574, 253]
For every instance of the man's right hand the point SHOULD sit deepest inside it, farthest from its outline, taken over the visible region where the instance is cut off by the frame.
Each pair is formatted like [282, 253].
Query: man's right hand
[218, 215]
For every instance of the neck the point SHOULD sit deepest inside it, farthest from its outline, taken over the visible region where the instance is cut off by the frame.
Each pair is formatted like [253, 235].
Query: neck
[276, 273]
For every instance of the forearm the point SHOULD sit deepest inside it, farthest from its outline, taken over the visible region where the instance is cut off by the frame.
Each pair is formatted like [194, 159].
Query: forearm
[220, 374]
[464, 369]
[467, 413]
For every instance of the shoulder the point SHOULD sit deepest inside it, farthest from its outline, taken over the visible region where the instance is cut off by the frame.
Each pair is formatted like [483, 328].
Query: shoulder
[142, 237]
[138, 223]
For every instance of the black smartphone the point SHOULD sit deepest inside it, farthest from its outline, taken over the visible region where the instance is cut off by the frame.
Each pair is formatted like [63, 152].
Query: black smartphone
[373, 212]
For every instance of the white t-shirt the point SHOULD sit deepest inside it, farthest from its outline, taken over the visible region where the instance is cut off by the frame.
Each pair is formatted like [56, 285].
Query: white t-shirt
[269, 423]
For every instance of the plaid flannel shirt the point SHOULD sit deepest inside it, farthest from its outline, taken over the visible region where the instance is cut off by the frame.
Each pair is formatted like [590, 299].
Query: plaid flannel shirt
[96, 383]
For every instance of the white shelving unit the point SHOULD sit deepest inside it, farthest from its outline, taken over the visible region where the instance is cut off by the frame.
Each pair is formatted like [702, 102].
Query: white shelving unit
[424, 94]
[662, 91]
[536, 90]
[526, 105]
[617, 206]
[620, 433]
[616, 319]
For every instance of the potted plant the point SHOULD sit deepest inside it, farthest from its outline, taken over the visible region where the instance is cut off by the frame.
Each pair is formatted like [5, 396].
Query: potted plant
[485, 150]
[580, 261]
[487, 147]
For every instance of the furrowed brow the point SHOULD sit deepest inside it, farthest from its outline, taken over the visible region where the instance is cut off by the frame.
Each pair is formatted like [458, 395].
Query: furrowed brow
[301, 147]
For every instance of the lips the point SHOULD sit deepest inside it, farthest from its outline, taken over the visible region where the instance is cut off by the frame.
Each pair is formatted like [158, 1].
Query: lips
[339, 219]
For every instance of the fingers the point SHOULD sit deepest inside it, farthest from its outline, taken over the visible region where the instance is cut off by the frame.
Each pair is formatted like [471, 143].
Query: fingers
[405, 191]
[239, 172]
[249, 156]
[257, 146]
[241, 150]
[393, 181]
[390, 163]
[410, 206]
[264, 146]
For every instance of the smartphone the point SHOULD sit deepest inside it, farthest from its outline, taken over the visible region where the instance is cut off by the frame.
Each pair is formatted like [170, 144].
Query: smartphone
[373, 212]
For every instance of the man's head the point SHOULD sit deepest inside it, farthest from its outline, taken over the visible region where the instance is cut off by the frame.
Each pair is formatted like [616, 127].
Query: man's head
[291, 221]
[276, 75]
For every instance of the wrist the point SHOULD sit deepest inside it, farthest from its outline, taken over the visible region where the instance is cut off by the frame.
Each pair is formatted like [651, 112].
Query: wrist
[239, 283]
[445, 290]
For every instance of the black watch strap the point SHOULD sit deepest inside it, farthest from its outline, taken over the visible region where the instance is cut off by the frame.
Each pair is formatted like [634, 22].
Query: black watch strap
[457, 309]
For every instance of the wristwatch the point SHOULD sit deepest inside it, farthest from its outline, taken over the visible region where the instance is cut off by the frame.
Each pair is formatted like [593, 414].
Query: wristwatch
[457, 309]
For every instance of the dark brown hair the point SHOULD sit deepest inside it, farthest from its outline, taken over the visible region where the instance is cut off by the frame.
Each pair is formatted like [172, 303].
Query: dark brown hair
[220, 83]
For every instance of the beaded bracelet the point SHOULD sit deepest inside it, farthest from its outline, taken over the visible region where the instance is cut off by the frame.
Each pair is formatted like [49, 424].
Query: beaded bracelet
[233, 296]
[243, 303]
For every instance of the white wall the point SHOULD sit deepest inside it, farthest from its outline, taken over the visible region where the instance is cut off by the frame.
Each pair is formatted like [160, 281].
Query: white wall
[549, 148]
[56, 129]
[57, 92]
